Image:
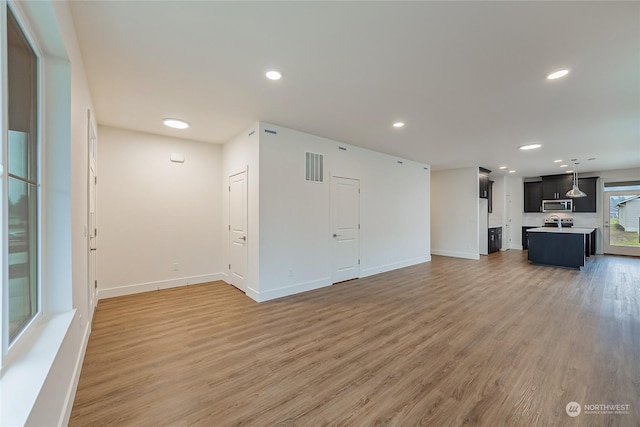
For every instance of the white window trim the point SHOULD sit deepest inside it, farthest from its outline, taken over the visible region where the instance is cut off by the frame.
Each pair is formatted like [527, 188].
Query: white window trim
[26, 366]
[26, 337]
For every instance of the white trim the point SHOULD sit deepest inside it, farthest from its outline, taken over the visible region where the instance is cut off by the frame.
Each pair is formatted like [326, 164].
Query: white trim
[65, 414]
[288, 290]
[22, 382]
[455, 254]
[396, 265]
[137, 288]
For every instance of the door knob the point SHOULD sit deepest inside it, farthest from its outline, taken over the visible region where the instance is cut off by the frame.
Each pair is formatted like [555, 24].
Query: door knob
[336, 235]
[243, 238]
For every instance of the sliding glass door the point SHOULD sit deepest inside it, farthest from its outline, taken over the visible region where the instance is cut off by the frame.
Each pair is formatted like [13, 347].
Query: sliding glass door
[622, 220]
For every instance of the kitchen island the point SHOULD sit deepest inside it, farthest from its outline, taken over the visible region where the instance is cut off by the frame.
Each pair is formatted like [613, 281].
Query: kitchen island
[561, 247]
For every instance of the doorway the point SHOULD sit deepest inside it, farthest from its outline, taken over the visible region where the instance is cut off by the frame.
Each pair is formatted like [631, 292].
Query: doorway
[238, 230]
[345, 227]
[621, 230]
[92, 228]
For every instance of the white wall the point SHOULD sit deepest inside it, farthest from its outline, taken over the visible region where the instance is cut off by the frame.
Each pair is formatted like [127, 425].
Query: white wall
[454, 213]
[295, 214]
[514, 192]
[153, 213]
[241, 154]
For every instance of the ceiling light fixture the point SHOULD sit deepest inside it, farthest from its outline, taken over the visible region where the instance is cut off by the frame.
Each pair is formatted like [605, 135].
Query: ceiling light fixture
[557, 74]
[575, 192]
[502, 168]
[557, 161]
[512, 171]
[274, 75]
[398, 125]
[563, 166]
[530, 146]
[175, 123]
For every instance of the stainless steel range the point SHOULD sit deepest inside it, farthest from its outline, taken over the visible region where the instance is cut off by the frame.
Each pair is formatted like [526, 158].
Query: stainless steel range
[556, 221]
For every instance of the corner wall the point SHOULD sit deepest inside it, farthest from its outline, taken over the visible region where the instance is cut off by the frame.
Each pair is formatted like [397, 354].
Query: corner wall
[241, 154]
[154, 213]
[295, 240]
[454, 216]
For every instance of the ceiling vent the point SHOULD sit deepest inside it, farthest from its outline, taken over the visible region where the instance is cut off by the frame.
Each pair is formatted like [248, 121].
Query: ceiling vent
[314, 167]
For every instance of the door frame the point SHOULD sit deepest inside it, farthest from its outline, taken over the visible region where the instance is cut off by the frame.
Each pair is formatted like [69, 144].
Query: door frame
[607, 248]
[241, 286]
[92, 185]
[332, 220]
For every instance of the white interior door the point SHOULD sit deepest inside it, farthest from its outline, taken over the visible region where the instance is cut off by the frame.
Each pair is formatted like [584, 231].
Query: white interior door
[92, 220]
[621, 232]
[238, 230]
[345, 224]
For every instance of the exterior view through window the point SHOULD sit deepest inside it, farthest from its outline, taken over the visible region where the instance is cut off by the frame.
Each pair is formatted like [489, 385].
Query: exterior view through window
[622, 225]
[22, 185]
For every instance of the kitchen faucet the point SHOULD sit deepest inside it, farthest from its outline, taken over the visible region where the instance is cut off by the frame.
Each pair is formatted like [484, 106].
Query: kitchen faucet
[559, 222]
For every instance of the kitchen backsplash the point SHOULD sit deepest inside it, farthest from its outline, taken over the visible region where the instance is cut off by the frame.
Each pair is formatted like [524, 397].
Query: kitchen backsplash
[495, 220]
[579, 219]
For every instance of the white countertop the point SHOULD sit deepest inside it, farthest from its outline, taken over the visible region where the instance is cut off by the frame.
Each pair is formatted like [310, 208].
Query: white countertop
[567, 230]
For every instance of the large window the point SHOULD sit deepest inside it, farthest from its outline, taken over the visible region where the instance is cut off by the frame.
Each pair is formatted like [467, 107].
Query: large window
[22, 197]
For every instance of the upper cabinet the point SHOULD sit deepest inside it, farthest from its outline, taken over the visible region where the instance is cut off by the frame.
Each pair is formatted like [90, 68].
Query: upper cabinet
[484, 182]
[556, 186]
[586, 204]
[533, 196]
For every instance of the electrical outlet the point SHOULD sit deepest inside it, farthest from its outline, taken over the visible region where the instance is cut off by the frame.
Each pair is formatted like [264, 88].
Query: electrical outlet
[176, 266]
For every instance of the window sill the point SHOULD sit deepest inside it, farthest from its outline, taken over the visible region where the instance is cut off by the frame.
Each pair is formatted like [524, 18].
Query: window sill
[24, 378]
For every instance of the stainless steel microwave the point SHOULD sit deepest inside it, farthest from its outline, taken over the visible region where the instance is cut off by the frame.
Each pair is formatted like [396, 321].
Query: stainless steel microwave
[565, 205]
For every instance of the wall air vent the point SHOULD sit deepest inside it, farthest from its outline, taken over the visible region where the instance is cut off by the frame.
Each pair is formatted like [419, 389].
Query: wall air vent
[252, 132]
[271, 131]
[314, 167]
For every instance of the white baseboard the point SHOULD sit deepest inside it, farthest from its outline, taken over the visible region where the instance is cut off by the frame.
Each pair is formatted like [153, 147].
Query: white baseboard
[116, 291]
[288, 290]
[75, 378]
[455, 254]
[394, 266]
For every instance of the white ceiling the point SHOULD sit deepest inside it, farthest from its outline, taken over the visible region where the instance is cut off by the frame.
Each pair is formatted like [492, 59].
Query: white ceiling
[467, 78]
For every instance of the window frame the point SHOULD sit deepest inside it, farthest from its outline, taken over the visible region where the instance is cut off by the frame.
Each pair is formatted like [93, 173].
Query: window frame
[10, 350]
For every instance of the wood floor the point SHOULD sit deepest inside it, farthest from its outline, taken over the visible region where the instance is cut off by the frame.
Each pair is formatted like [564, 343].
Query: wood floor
[494, 342]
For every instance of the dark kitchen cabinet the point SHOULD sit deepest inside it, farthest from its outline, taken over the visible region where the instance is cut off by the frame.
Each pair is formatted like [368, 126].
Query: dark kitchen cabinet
[556, 186]
[533, 196]
[483, 182]
[495, 239]
[586, 204]
[490, 196]
[525, 237]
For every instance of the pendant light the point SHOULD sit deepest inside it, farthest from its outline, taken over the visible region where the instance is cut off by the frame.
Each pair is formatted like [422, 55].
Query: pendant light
[575, 192]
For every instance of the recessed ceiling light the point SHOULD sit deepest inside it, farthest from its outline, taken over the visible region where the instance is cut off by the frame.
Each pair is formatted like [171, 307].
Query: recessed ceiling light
[557, 161]
[175, 123]
[557, 74]
[563, 166]
[571, 171]
[274, 75]
[502, 167]
[512, 171]
[530, 146]
[398, 125]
